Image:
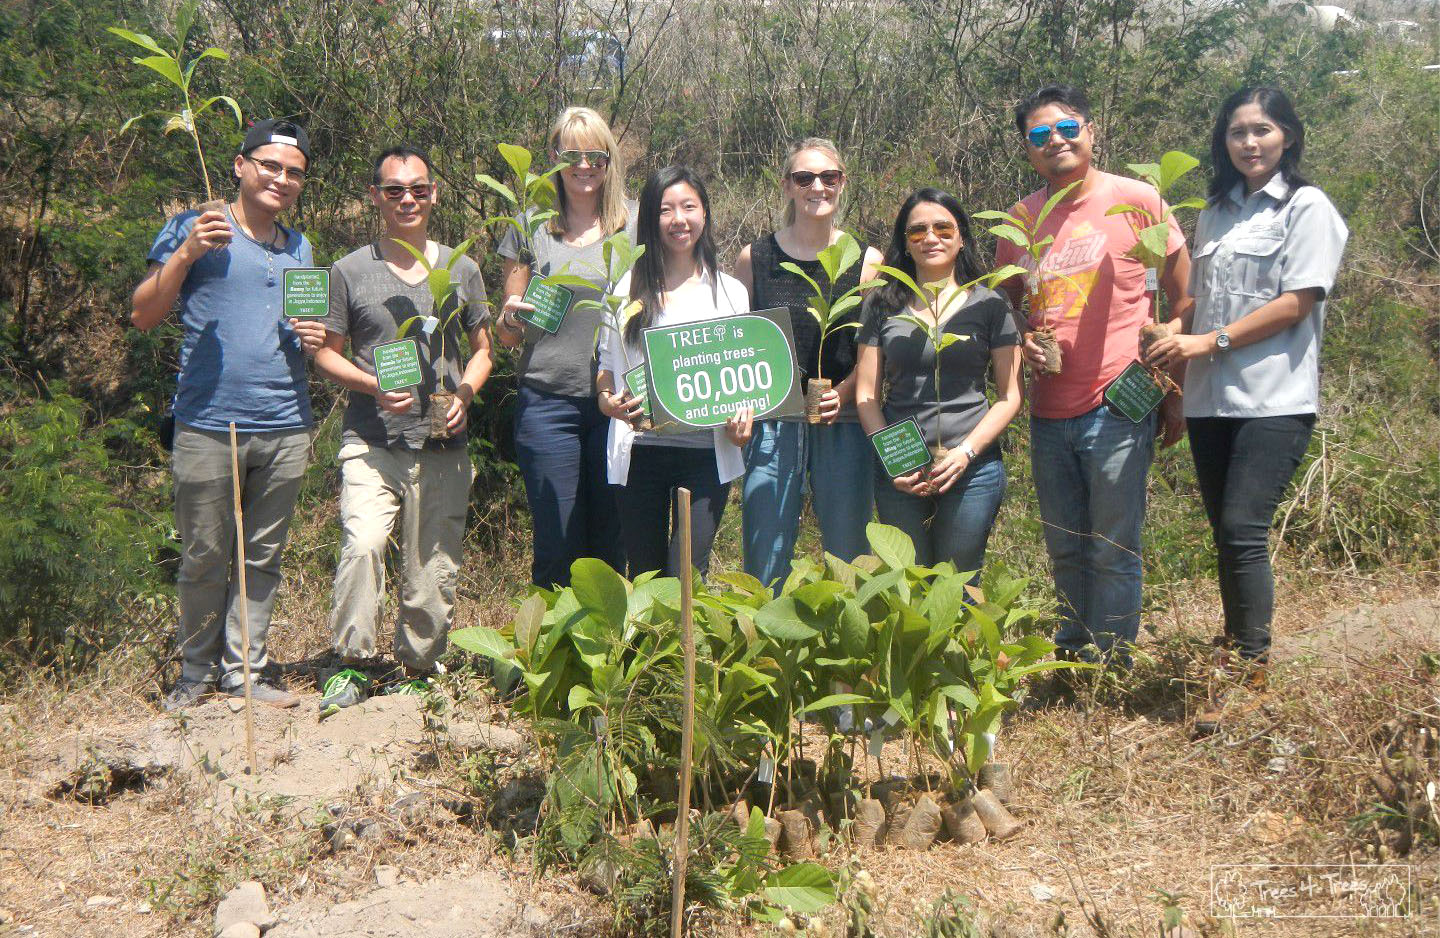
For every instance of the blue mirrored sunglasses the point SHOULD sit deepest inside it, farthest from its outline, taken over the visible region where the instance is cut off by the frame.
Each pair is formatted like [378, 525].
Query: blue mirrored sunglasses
[1039, 135]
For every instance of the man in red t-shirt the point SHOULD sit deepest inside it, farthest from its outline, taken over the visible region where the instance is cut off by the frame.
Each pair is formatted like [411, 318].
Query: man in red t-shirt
[1090, 462]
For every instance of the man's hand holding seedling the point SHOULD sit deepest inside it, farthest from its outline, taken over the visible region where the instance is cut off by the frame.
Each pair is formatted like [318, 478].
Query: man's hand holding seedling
[210, 232]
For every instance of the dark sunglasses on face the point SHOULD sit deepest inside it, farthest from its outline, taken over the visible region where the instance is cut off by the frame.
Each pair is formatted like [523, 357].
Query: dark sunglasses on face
[829, 178]
[1039, 135]
[420, 190]
[944, 230]
[272, 168]
[598, 159]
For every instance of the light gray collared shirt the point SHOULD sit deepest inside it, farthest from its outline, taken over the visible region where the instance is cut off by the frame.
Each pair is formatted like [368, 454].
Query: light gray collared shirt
[1249, 249]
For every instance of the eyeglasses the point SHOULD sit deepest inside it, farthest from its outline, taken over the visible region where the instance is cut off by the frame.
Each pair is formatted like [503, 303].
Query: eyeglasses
[274, 169]
[944, 230]
[804, 179]
[1039, 135]
[597, 159]
[420, 190]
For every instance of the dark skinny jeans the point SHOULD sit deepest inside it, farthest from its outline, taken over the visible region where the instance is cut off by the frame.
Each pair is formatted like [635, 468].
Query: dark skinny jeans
[649, 507]
[1243, 465]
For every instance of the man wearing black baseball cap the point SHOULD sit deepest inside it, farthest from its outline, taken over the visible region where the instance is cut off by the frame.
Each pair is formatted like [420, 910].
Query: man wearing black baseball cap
[240, 363]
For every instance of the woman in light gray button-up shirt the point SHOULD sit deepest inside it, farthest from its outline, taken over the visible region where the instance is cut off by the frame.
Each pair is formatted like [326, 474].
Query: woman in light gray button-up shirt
[1267, 248]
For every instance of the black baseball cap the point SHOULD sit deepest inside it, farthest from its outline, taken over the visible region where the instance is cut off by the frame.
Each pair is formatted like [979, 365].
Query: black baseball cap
[276, 130]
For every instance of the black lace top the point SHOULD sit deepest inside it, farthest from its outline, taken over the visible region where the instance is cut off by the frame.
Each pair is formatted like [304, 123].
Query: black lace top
[774, 286]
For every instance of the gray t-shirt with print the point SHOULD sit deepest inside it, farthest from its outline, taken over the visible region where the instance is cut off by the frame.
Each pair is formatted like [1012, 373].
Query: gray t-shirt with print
[983, 323]
[563, 363]
[368, 302]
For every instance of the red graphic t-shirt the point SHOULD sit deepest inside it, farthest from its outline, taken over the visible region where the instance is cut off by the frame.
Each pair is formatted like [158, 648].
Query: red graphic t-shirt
[1093, 293]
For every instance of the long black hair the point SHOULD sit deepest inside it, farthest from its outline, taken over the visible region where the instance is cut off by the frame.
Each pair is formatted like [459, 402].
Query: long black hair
[1275, 105]
[895, 295]
[647, 278]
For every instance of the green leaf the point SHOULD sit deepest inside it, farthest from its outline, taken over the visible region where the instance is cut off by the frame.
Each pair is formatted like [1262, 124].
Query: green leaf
[403, 330]
[1194, 202]
[803, 887]
[781, 619]
[600, 589]
[839, 257]
[1155, 238]
[904, 279]
[569, 280]
[226, 100]
[498, 186]
[126, 126]
[890, 544]
[1150, 172]
[184, 19]
[518, 157]
[484, 641]
[458, 253]
[140, 39]
[1174, 165]
[832, 700]
[990, 214]
[795, 269]
[441, 286]
[415, 252]
[1012, 234]
[1050, 204]
[528, 619]
[996, 277]
[164, 66]
[1125, 208]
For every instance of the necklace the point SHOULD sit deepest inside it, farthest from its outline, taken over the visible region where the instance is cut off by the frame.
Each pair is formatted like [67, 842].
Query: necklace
[269, 247]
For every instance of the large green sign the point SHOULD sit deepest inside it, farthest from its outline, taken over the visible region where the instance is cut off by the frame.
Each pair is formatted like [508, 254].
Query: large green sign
[901, 447]
[307, 292]
[1134, 394]
[703, 373]
[397, 365]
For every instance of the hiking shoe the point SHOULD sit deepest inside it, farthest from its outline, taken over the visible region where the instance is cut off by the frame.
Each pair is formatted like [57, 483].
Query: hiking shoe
[345, 688]
[185, 694]
[262, 691]
[1235, 688]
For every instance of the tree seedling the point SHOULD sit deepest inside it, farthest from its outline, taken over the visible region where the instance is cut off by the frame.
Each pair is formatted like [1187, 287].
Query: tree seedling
[828, 311]
[1151, 240]
[533, 206]
[174, 68]
[442, 286]
[938, 297]
[1024, 232]
[616, 309]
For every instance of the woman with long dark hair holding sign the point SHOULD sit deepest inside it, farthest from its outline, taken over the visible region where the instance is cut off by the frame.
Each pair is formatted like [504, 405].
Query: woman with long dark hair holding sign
[1267, 248]
[948, 507]
[675, 281]
[786, 453]
[559, 433]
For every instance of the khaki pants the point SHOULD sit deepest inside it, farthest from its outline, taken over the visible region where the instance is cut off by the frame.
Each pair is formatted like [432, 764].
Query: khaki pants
[272, 465]
[430, 491]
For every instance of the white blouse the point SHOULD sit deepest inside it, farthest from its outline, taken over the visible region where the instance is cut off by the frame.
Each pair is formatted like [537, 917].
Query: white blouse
[705, 299]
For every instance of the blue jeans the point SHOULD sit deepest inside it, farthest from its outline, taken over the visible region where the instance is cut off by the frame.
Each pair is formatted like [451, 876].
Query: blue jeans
[1243, 465]
[836, 458]
[955, 526]
[560, 446]
[1090, 476]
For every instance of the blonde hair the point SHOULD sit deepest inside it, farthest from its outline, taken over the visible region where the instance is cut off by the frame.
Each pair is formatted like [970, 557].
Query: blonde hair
[820, 145]
[583, 125]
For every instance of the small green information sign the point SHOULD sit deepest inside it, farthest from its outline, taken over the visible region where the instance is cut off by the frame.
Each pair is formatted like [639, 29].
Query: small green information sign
[1134, 394]
[551, 303]
[703, 373]
[397, 365]
[307, 292]
[639, 387]
[901, 448]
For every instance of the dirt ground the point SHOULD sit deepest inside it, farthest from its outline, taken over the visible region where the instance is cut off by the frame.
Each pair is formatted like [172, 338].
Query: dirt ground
[119, 820]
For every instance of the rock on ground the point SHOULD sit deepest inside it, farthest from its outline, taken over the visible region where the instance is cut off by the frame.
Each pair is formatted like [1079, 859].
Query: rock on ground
[480, 905]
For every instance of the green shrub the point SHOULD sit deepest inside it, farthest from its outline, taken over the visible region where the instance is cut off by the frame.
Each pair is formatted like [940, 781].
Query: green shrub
[72, 554]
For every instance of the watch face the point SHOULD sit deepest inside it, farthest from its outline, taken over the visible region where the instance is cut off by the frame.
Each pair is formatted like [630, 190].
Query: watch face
[1222, 340]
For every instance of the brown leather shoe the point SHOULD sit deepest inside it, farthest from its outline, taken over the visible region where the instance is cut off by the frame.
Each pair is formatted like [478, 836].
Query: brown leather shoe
[1234, 687]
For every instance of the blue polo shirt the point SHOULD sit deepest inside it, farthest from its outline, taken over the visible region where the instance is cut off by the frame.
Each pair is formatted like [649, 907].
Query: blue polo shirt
[240, 360]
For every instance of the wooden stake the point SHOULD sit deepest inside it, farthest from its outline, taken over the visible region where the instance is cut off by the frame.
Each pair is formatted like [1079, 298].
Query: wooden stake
[244, 601]
[687, 716]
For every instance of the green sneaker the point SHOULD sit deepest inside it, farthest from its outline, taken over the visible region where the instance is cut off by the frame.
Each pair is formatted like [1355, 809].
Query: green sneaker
[345, 688]
[416, 687]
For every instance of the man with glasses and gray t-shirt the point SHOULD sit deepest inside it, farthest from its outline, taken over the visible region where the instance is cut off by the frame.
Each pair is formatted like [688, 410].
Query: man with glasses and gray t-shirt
[392, 464]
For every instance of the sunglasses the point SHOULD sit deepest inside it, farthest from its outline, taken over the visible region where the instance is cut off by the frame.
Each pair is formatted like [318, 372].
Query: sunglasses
[272, 168]
[420, 190]
[597, 159]
[804, 179]
[1039, 135]
[944, 230]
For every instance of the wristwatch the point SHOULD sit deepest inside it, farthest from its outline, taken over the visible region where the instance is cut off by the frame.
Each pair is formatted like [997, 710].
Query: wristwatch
[1222, 340]
[968, 450]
